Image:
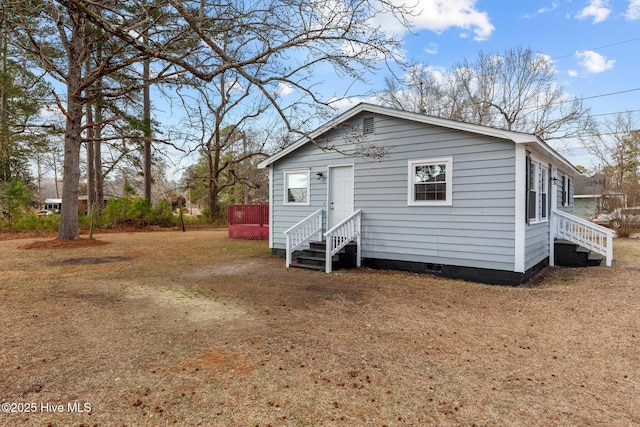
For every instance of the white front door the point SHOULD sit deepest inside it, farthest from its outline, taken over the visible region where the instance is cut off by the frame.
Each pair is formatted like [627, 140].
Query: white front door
[340, 191]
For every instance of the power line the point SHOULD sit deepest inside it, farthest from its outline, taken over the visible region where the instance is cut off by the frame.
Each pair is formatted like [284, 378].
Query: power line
[600, 47]
[612, 114]
[611, 93]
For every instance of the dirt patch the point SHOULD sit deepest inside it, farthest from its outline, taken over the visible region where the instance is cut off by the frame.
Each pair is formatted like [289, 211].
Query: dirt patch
[95, 260]
[192, 306]
[196, 329]
[64, 244]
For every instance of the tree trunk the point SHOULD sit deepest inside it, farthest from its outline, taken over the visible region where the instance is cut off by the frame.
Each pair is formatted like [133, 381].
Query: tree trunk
[213, 190]
[91, 175]
[97, 156]
[5, 157]
[147, 117]
[147, 132]
[97, 145]
[73, 132]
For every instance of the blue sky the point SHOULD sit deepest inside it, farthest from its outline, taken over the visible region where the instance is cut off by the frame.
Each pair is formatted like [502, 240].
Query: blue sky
[594, 44]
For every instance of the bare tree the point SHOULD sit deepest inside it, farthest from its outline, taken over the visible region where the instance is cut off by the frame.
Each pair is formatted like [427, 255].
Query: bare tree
[618, 150]
[286, 41]
[217, 128]
[515, 90]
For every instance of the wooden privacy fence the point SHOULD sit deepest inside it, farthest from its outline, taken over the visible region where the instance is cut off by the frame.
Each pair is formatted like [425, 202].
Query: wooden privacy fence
[249, 222]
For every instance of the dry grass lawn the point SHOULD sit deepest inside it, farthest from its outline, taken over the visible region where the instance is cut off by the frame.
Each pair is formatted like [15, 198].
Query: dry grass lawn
[171, 328]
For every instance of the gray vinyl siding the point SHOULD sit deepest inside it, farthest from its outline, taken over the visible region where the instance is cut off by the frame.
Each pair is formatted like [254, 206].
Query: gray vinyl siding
[536, 243]
[476, 231]
[568, 209]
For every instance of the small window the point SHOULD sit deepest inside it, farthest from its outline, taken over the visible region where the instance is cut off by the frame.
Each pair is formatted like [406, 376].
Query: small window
[430, 182]
[296, 187]
[566, 190]
[367, 126]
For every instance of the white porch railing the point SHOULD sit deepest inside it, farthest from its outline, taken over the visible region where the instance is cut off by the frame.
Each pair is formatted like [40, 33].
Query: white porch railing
[341, 235]
[584, 233]
[307, 229]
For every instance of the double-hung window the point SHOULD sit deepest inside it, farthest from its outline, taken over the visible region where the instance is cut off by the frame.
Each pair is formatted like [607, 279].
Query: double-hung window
[566, 190]
[296, 187]
[537, 190]
[430, 182]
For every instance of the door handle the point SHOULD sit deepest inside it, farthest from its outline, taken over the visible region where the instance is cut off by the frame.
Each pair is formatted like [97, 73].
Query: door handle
[331, 205]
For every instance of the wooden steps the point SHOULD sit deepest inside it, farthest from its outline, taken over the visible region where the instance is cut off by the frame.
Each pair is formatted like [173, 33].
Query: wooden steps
[314, 257]
[569, 254]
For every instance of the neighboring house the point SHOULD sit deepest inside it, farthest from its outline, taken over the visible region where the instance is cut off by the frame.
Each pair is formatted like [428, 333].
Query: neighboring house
[54, 205]
[593, 196]
[422, 194]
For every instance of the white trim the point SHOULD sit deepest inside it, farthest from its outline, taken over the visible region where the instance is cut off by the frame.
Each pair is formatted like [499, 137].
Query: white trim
[285, 198]
[271, 203]
[521, 209]
[411, 164]
[540, 164]
[553, 184]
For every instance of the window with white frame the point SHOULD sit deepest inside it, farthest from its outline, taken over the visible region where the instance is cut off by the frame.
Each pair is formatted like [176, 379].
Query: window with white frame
[537, 190]
[566, 190]
[296, 187]
[430, 182]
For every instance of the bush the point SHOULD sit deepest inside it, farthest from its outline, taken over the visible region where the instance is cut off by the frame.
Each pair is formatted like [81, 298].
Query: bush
[137, 212]
[40, 223]
[33, 222]
[126, 211]
[162, 215]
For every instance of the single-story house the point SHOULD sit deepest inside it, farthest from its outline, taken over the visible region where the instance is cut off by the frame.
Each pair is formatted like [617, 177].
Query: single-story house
[423, 194]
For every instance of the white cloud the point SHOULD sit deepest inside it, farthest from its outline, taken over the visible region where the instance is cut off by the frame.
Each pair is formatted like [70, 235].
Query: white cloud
[543, 10]
[441, 15]
[593, 62]
[283, 89]
[599, 10]
[573, 73]
[554, 6]
[431, 49]
[633, 12]
[52, 115]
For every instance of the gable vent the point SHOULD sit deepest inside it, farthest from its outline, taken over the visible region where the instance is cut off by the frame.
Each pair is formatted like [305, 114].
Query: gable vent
[367, 126]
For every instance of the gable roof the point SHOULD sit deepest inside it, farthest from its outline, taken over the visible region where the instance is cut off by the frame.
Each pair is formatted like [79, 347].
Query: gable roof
[516, 137]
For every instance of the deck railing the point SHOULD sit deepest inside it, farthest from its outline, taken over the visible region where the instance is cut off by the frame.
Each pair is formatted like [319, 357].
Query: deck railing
[301, 233]
[249, 214]
[248, 222]
[584, 233]
[341, 235]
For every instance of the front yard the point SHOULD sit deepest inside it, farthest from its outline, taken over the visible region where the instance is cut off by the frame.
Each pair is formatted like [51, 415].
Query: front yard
[172, 328]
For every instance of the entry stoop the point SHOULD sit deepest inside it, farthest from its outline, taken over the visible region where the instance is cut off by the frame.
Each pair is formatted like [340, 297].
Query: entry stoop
[315, 256]
[569, 254]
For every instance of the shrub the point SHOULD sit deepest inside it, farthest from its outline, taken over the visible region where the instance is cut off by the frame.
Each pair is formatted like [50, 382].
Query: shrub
[137, 212]
[162, 215]
[33, 222]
